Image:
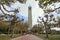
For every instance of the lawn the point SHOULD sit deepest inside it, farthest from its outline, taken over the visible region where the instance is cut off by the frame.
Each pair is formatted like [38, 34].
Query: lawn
[7, 37]
[43, 36]
[51, 37]
[4, 37]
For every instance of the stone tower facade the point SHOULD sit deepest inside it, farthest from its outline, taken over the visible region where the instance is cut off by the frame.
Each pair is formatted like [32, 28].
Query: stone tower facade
[30, 17]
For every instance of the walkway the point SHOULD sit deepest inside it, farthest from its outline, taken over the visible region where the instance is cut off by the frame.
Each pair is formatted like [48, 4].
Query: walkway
[28, 37]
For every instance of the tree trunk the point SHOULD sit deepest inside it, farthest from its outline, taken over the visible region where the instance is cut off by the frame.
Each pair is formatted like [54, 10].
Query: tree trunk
[21, 32]
[46, 31]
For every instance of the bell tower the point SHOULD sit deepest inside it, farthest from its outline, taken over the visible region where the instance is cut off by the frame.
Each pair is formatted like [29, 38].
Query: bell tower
[30, 17]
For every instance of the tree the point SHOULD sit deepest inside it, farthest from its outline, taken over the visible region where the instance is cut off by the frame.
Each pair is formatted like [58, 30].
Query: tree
[4, 26]
[4, 10]
[37, 29]
[46, 22]
[44, 4]
[58, 22]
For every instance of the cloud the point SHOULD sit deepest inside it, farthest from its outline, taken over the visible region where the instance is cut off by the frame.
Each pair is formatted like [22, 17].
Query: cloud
[23, 10]
[36, 10]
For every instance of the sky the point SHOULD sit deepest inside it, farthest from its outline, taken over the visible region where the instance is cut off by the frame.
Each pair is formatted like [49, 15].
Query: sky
[36, 10]
[23, 10]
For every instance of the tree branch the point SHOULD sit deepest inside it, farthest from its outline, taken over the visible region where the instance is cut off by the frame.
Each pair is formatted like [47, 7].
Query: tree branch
[6, 9]
[52, 10]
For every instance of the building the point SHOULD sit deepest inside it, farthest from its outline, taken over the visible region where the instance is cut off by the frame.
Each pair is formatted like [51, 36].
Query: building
[30, 17]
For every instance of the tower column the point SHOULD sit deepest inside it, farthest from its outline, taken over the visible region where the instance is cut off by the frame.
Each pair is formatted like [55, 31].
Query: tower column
[30, 17]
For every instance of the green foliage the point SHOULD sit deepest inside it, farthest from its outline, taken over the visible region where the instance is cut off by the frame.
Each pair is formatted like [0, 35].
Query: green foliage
[5, 0]
[4, 25]
[14, 24]
[51, 37]
[5, 37]
[43, 3]
[37, 29]
[23, 27]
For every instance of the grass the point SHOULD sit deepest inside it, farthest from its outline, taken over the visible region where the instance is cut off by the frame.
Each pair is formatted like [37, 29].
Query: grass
[51, 37]
[7, 37]
[43, 36]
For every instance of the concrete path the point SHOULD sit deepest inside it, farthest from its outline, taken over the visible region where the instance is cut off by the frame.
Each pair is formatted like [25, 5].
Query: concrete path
[28, 37]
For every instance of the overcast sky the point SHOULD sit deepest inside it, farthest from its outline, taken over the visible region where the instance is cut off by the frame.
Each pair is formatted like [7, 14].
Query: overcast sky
[23, 10]
[36, 10]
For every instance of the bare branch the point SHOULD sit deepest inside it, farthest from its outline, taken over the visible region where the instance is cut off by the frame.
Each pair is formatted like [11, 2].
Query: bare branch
[6, 9]
[53, 10]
